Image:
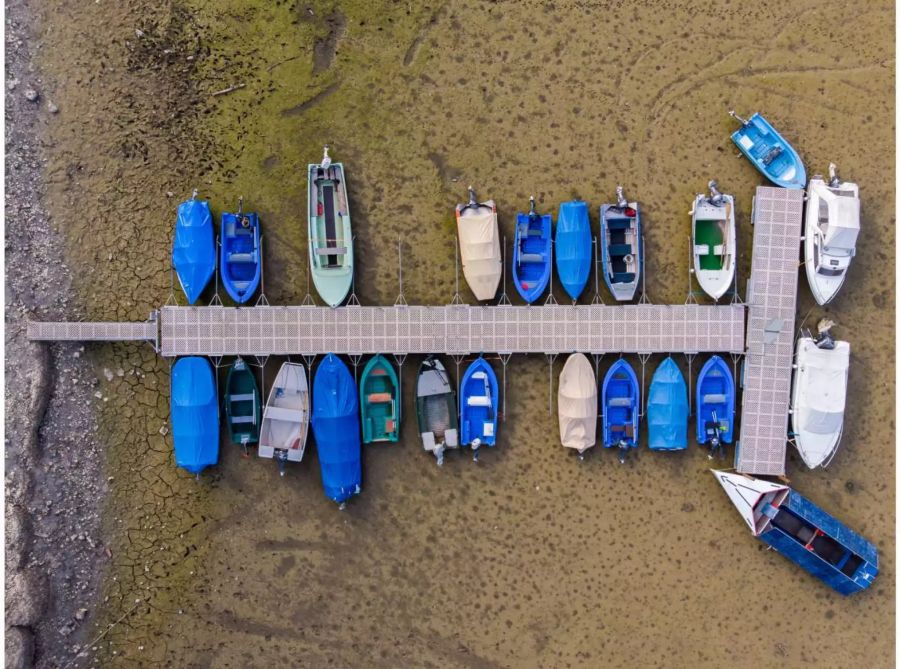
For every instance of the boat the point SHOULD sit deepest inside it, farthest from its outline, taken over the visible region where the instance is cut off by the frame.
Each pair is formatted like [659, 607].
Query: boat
[379, 401]
[621, 402]
[285, 422]
[240, 260]
[802, 532]
[194, 247]
[667, 409]
[577, 400]
[479, 246]
[242, 404]
[330, 236]
[531, 256]
[715, 405]
[478, 406]
[195, 414]
[436, 408]
[831, 231]
[769, 152]
[573, 247]
[715, 236]
[620, 243]
[335, 423]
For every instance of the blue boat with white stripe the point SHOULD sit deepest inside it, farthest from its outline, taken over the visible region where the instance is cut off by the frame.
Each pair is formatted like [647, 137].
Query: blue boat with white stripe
[240, 254]
[621, 402]
[769, 152]
[479, 394]
[715, 405]
[531, 255]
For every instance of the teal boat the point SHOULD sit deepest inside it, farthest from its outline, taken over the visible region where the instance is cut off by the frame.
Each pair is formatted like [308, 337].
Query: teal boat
[242, 405]
[379, 401]
[330, 237]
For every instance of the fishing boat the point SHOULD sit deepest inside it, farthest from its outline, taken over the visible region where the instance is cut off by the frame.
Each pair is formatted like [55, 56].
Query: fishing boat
[573, 247]
[531, 255]
[242, 405]
[335, 423]
[240, 260]
[832, 227]
[769, 152]
[620, 242]
[195, 414]
[715, 405]
[379, 401]
[330, 236]
[802, 532]
[479, 246]
[621, 408]
[714, 235]
[285, 420]
[194, 247]
[577, 400]
[436, 408]
[478, 406]
[667, 409]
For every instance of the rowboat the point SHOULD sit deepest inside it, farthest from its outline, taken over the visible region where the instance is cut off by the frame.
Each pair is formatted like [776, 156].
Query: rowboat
[714, 235]
[478, 406]
[479, 246]
[667, 409]
[242, 405]
[577, 400]
[621, 400]
[832, 226]
[194, 247]
[573, 247]
[379, 401]
[195, 414]
[769, 152]
[805, 534]
[330, 236]
[239, 260]
[285, 420]
[715, 405]
[620, 242]
[531, 255]
[436, 408]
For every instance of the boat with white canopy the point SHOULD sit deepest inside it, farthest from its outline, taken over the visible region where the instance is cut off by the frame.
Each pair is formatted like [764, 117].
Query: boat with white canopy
[479, 246]
[577, 404]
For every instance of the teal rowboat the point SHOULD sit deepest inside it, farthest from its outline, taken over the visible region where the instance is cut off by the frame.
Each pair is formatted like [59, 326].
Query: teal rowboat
[330, 237]
[379, 400]
[242, 406]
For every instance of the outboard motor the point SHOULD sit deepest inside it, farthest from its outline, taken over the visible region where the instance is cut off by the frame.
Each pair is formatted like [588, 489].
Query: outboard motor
[715, 197]
[533, 212]
[824, 340]
[623, 450]
[621, 202]
[833, 180]
[326, 159]
[476, 444]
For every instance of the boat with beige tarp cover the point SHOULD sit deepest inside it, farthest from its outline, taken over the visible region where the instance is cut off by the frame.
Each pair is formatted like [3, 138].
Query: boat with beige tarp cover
[479, 246]
[578, 404]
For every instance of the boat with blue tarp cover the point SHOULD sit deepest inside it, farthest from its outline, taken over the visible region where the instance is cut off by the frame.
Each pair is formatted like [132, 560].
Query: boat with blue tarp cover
[667, 409]
[621, 402]
[769, 152]
[620, 246]
[479, 406]
[573, 247]
[195, 414]
[239, 259]
[715, 405]
[531, 255]
[194, 247]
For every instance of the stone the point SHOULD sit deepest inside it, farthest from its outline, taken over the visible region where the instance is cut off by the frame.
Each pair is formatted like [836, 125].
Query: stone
[19, 648]
[52, 108]
[31, 95]
[80, 614]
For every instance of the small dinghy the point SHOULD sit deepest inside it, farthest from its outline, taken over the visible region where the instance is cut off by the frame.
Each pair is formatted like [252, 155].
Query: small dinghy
[479, 246]
[335, 422]
[577, 400]
[330, 236]
[714, 235]
[769, 152]
[194, 247]
[802, 532]
[436, 408]
[667, 409]
[620, 242]
[715, 405]
[621, 408]
[379, 401]
[286, 418]
[479, 406]
[832, 226]
[242, 405]
[240, 254]
[195, 414]
[573, 247]
[531, 255]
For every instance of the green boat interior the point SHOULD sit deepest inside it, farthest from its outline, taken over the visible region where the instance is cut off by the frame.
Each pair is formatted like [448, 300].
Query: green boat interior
[709, 244]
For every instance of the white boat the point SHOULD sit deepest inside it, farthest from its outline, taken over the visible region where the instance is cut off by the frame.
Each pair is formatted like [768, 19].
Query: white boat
[714, 235]
[832, 226]
[285, 422]
[751, 496]
[577, 400]
[479, 246]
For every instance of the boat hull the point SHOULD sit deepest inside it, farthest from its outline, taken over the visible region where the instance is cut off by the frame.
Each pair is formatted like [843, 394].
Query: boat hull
[239, 255]
[621, 406]
[573, 247]
[770, 153]
[621, 250]
[330, 235]
[379, 401]
[715, 249]
[531, 255]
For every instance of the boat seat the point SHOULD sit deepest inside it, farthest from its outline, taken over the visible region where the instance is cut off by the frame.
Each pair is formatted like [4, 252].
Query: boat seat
[478, 401]
[714, 398]
[618, 223]
[479, 375]
[628, 429]
[283, 414]
[451, 438]
[620, 402]
[243, 419]
[531, 257]
[523, 230]
[331, 251]
[701, 249]
[488, 429]
[806, 534]
[428, 441]
[390, 425]
[242, 398]
[772, 155]
[242, 257]
[619, 249]
[379, 397]
[719, 250]
[623, 277]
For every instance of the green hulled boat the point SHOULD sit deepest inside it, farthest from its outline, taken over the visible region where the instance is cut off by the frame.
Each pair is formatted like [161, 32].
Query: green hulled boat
[330, 237]
[379, 401]
[242, 406]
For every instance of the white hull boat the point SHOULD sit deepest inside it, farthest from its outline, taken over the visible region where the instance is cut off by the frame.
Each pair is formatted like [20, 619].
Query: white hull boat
[285, 422]
[714, 235]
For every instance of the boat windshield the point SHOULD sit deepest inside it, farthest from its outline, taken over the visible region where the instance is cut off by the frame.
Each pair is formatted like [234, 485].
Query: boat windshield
[822, 422]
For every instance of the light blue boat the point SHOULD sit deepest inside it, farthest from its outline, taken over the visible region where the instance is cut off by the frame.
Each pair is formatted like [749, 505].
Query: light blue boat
[621, 402]
[715, 404]
[667, 409]
[769, 152]
[531, 255]
[620, 247]
[194, 247]
[573, 247]
[195, 414]
[479, 394]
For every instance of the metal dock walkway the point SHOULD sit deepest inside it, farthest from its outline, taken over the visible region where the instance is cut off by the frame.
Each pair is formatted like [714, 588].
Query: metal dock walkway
[95, 331]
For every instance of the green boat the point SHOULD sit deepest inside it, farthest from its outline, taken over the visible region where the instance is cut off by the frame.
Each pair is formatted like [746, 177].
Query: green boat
[379, 399]
[242, 407]
[330, 237]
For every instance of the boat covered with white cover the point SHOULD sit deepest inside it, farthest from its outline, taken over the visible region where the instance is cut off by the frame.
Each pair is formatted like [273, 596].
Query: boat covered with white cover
[577, 400]
[479, 246]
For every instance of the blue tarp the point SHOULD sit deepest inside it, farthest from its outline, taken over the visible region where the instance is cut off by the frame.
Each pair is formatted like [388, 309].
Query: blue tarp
[335, 422]
[667, 409]
[194, 248]
[195, 414]
[573, 247]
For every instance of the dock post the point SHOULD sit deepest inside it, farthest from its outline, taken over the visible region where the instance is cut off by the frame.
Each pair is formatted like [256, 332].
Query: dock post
[550, 297]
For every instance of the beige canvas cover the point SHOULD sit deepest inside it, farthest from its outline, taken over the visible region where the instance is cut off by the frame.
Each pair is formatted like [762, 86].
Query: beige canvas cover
[578, 404]
[479, 250]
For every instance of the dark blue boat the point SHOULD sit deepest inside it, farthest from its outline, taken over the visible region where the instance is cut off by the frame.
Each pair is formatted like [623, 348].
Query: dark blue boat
[620, 247]
[479, 395]
[531, 255]
[621, 402]
[240, 254]
[715, 404]
[194, 247]
[195, 414]
[573, 247]
[335, 423]
[667, 409]
[769, 152]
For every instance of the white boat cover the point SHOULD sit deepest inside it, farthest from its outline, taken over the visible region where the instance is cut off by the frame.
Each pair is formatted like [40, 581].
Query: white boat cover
[749, 496]
[479, 250]
[820, 395]
[578, 404]
[843, 222]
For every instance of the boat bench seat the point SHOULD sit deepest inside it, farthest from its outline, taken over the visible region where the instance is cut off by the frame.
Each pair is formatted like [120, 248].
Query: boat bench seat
[248, 397]
[531, 257]
[628, 429]
[620, 402]
[618, 223]
[701, 249]
[478, 401]
[719, 250]
[479, 375]
[287, 415]
[242, 257]
[619, 249]
[714, 398]
[243, 419]
[451, 437]
[806, 534]
[428, 441]
[623, 277]
[379, 397]
[772, 155]
[331, 251]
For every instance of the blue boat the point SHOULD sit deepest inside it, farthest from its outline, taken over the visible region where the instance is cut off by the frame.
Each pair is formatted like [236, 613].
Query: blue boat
[478, 406]
[573, 247]
[620, 247]
[621, 402]
[667, 409]
[240, 254]
[769, 152]
[195, 414]
[194, 247]
[805, 534]
[335, 423]
[531, 255]
[715, 404]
